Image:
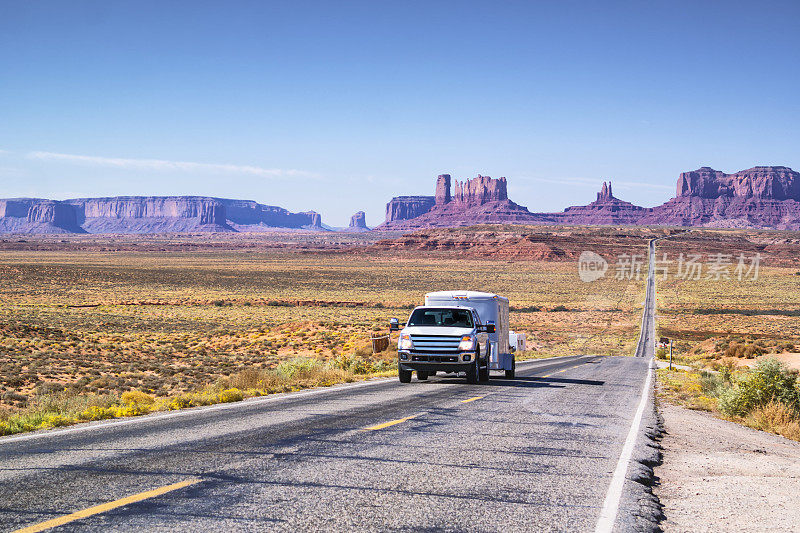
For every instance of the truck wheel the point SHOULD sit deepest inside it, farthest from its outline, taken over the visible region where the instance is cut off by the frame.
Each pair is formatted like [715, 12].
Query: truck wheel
[472, 373]
[404, 375]
[421, 375]
[483, 374]
[510, 373]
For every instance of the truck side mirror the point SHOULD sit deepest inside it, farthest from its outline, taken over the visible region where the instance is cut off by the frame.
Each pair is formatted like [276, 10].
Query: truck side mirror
[394, 324]
[489, 328]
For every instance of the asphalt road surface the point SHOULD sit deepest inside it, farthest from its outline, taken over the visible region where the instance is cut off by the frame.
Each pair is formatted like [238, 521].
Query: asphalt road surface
[647, 334]
[532, 454]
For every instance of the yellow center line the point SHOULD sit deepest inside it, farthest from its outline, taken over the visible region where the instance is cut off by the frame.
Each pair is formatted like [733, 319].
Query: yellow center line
[102, 508]
[390, 423]
[472, 399]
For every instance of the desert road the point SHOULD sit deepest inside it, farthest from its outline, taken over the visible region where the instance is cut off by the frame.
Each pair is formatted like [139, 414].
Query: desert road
[535, 453]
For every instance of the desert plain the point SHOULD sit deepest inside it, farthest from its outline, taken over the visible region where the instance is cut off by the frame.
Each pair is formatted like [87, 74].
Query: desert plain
[95, 317]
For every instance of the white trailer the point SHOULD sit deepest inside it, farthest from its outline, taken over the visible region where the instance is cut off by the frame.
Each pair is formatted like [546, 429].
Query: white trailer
[492, 309]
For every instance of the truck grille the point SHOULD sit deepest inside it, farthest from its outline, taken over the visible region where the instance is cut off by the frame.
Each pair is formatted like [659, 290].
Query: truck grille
[435, 358]
[435, 343]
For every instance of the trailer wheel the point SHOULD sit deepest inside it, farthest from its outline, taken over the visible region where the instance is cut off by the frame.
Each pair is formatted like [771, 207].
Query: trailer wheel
[510, 373]
[422, 375]
[404, 375]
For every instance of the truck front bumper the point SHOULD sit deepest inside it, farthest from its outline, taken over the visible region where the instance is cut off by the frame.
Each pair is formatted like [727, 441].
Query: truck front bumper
[448, 362]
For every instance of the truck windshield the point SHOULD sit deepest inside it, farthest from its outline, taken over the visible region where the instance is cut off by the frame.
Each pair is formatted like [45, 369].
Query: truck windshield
[450, 318]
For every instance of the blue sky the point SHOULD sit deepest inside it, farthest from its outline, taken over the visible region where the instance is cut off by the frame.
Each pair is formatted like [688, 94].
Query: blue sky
[338, 106]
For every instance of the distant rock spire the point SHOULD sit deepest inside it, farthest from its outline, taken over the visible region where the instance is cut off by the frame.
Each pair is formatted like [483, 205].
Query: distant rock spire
[605, 193]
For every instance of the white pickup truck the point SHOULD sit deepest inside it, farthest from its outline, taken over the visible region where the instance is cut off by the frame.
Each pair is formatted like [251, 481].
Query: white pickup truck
[455, 331]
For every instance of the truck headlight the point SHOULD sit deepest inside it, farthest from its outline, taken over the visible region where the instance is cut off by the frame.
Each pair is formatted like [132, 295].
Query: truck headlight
[467, 343]
[405, 342]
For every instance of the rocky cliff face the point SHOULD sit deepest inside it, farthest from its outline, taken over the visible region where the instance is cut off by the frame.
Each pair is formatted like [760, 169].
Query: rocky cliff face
[150, 214]
[147, 214]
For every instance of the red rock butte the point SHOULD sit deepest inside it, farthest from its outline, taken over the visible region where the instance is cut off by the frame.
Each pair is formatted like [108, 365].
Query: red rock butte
[480, 200]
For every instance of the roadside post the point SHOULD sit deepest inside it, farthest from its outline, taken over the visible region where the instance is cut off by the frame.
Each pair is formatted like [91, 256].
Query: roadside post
[670, 354]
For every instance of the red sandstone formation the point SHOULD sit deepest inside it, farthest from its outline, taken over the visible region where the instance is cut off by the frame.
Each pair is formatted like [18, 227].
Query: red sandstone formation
[760, 197]
[475, 201]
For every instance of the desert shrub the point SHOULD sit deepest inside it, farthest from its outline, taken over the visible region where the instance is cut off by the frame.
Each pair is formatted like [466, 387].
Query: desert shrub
[711, 384]
[297, 367]
[12, 396]
[95, 412]
[726, 368]
[749, 351]
[48, 387]
[662, 353]
[137, 397]
[768, 382]
[131, 409]
[525, 309]
[559, 309]
[249, 378]
[180, 402]
[230, 395]
[54, 420]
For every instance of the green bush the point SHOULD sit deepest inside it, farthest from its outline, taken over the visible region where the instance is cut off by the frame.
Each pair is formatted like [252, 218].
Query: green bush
[768, 382]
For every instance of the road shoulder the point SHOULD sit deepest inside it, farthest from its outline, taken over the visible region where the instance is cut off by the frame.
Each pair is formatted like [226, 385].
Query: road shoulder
[721, 476]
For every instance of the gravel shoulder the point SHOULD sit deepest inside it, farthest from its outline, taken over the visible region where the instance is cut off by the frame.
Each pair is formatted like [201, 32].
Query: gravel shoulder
[720, 476]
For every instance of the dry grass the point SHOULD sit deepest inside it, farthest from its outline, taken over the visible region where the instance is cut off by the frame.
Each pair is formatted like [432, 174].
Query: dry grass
[775, 418]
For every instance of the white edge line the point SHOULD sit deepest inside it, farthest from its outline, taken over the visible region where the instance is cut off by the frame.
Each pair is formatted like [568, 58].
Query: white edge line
[608, 515]
[218, 407]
